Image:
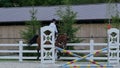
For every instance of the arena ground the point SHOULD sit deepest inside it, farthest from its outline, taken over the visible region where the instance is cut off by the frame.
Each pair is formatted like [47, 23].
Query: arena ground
[37, 64]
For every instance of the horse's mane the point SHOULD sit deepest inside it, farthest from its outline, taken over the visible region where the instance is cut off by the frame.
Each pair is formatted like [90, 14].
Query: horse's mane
[33, 40]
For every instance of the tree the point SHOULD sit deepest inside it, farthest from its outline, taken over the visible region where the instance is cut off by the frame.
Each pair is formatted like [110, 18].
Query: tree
[113, 13]
[16, 3]
[32, 27]
[115, 21]
[67, 19]
[5, 3]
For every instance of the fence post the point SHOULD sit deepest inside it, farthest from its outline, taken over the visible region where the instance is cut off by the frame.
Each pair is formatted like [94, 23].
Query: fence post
[91, 48]
[20, 51]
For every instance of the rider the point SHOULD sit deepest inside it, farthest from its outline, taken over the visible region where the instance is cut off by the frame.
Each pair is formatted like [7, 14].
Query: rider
[53, 25]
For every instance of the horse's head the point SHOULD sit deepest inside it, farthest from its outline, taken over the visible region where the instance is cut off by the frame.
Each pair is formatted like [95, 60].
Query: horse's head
[61, 40]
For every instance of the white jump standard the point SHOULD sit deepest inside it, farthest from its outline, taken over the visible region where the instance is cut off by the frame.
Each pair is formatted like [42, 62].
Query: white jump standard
[47, 50]
[113, 46]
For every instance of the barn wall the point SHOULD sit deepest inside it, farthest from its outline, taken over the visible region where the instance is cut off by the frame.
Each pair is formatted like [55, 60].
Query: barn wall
[97, 31]
[11, 33]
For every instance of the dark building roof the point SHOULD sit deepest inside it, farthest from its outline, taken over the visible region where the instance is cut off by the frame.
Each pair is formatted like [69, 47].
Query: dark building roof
[16, 14]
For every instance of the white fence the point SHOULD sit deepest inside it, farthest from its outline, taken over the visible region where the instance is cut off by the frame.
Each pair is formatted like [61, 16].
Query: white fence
[89, 48]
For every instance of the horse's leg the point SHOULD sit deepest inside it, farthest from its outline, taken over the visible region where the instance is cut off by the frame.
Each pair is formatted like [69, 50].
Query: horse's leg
[62, 45]
[38, 52]
[38, 48]
[58, 54]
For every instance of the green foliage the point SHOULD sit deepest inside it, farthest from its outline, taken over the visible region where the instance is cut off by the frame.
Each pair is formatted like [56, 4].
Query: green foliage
[32, 27]
[67, 19]
[112, 1]
[5, 3]
[16, 3]
[115, 21]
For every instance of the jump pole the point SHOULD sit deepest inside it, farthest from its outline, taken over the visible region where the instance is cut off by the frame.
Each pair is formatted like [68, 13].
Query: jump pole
[79, 57]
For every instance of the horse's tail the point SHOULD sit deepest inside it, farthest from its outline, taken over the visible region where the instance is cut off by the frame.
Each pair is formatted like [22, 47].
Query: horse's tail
[32, 40]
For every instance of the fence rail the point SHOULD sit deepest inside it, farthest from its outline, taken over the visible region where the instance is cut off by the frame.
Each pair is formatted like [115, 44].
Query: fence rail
[19, 52]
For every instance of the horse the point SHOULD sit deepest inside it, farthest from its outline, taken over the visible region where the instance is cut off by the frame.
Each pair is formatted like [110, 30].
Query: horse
[60, 41]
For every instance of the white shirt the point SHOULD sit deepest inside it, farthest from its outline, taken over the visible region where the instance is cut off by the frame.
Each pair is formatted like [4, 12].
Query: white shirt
[54, 27]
